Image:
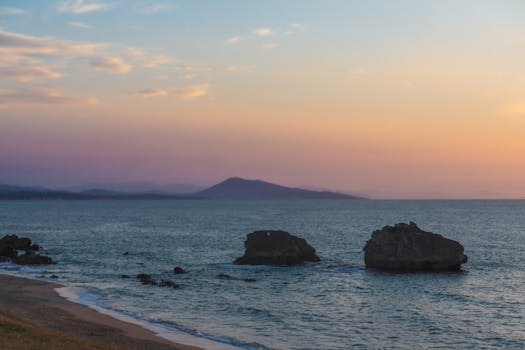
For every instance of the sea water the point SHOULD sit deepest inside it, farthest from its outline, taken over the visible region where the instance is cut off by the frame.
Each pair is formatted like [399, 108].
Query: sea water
[334, 304]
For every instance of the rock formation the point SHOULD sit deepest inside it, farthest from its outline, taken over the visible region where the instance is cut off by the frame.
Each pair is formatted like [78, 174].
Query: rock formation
[275, 248]
[405, 247]
[10, 245]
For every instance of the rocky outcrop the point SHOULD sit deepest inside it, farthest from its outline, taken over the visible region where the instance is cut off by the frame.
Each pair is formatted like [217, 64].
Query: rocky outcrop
[149, 280]
[405, 247]
[276, 248]
[10, 245]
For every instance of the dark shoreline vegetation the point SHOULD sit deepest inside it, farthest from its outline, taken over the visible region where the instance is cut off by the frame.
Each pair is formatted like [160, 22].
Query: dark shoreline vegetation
[232, 188]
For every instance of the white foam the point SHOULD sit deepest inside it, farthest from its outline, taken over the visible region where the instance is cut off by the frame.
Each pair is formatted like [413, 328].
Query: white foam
[80, 296]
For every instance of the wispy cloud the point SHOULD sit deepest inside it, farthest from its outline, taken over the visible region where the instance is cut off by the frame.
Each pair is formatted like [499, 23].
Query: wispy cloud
[23, 96]
[262, 32]
[24, 58]
[516, 109]
[79, 25]
[146, 59]
[232, 41]
[151, 7]
[82, 6]
[111, 64]
[270, 46]
[151, 92]
[27, 72]
[7, 11]
[294, 28]
[185, 93]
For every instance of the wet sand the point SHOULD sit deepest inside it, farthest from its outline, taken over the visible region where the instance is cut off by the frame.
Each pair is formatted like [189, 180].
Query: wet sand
[37, 302]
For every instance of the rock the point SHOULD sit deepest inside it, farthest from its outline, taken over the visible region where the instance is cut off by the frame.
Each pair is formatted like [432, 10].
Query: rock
[125, 253]
[148, 280]
[276, 248]
[54, 277]
[405, 247]
[178, 270]
[32, 258]
[145, 278]
[18, 243]
[124, 276]
[11, 244]
[167, 283]
[224, 276]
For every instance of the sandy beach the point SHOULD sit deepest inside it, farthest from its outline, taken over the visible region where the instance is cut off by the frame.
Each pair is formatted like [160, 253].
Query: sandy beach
[33, 307]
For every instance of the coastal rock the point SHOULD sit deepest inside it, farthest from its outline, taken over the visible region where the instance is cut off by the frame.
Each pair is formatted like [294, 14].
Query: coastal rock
[148, 280]
[405, 247]
[11, 244]
[179, 270]
[276, 248]
[31, 258]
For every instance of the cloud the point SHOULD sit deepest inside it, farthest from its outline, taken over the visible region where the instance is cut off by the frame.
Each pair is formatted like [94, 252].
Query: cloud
[7, 11]
[148, 60]
[27, 72]
[270, 46]
[191, 92]
[151, 92]
[82, 6]
[151, 7]
[239, 69]
[263, 32]
[294, 28]
[111, 64]
[24, 58]
[357, 71]
[37, 96]
[185, 93]
[79, 25]
[232, 41]
[516, 109]
[17, 44]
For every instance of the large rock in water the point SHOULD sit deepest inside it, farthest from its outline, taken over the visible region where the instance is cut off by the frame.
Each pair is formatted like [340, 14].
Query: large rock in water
[11, 244]
[275, 248]
[405, 247]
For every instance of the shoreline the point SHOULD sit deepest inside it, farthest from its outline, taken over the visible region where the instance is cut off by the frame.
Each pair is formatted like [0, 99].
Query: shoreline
[39, 303]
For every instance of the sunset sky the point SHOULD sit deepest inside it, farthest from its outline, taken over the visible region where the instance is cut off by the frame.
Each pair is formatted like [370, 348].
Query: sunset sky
[394, 99]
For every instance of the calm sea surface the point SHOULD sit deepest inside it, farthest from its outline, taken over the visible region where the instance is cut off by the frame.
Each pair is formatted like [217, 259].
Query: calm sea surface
[335, 304]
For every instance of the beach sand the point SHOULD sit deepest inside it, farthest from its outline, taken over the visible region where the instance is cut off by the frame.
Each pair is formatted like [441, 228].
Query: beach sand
[40, 309]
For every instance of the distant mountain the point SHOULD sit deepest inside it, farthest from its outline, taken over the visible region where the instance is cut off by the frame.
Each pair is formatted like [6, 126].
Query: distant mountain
[139, 187]
[19, 192]
[238, 188]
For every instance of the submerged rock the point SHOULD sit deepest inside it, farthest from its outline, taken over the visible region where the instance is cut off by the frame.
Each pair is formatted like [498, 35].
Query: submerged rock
[178, 270]
[11, 244]
[224, 276]
[148, 280]
[276, 248]
[405, 247]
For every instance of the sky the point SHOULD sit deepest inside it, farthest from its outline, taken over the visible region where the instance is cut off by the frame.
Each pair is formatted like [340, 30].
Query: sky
[392, 99]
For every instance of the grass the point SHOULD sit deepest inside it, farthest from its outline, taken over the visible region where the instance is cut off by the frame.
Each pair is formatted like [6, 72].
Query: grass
[18, 334]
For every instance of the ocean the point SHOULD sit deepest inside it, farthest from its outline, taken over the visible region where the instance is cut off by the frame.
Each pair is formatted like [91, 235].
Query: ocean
[334, 304]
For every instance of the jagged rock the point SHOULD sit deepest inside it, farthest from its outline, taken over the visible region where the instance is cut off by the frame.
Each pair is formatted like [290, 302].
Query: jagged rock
[124, 276]
[178, 270]
[54, 277]
[31, 258]
[11, 244]
[405, 247]
[276, 248]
